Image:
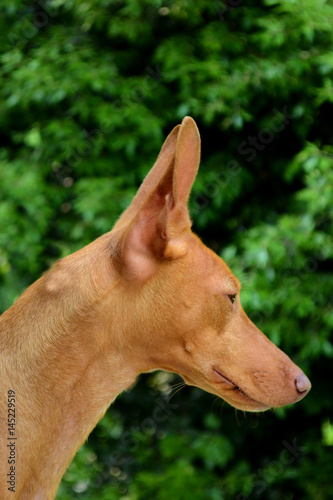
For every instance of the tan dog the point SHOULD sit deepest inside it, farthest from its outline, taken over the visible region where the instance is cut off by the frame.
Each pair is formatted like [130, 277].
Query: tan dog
[148, 295]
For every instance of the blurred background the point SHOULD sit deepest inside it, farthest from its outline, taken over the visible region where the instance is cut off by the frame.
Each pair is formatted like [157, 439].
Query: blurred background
[88, 91]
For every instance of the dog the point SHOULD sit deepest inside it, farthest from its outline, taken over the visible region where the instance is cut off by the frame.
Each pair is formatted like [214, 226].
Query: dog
[147, 295]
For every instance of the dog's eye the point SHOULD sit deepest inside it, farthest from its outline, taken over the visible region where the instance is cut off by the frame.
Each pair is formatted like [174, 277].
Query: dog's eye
[232, 298]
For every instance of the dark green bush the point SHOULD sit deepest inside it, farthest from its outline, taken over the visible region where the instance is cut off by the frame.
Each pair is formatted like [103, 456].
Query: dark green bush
[88, 92]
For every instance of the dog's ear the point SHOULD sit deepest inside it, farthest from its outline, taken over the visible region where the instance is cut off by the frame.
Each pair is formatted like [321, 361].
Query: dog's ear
[154, 226]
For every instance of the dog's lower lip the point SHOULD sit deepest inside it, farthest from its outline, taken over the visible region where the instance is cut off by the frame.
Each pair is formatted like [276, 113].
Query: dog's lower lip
[235, 387]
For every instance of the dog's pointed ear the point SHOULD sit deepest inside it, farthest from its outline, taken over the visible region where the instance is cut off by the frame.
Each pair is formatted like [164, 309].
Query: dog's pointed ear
[186, 161]
[155, 225]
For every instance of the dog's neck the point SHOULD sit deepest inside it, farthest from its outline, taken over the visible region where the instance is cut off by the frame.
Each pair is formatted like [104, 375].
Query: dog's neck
[60, 423]
[71, 373]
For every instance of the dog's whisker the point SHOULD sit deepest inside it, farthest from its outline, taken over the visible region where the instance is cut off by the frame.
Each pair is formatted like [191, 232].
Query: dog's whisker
[175, 392]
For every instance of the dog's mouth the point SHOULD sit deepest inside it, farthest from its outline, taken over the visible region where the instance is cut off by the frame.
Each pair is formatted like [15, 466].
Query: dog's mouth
[236, 394]
[222, 386]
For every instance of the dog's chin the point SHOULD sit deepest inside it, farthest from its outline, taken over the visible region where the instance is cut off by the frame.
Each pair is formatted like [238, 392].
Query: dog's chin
[230, 392]
[243, 402]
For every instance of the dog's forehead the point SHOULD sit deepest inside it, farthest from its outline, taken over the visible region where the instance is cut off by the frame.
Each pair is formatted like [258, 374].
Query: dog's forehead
[217, 275]
[223, 281]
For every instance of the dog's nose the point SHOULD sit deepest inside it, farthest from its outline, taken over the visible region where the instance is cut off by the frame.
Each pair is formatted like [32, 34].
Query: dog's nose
[303, 384]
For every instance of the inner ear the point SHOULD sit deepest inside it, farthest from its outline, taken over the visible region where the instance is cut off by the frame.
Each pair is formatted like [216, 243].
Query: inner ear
[145, 242]
[162, 197]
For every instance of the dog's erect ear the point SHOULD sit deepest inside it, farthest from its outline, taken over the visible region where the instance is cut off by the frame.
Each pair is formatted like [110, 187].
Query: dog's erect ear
[154, 225]
[187, 161]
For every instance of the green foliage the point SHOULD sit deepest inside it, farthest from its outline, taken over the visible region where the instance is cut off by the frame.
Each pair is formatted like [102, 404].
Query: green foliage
[88, 91]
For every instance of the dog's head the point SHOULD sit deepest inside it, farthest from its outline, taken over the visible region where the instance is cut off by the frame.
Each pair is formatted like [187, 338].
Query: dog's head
[185, 300]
